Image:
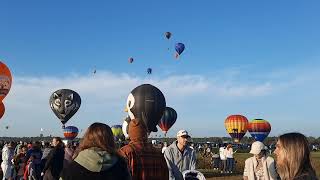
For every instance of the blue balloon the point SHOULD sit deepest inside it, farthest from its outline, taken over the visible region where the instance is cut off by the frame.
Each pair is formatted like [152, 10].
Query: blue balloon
[179, 48]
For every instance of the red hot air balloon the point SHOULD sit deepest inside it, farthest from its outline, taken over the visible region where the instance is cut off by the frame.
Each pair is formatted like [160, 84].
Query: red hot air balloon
[2, 109]
[5, 80]
[70, 132]
[169, 117]
[259, 129]
[236, 126]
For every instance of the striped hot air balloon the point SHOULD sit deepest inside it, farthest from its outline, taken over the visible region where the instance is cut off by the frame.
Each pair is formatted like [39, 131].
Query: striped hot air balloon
[259, 129]
[236, 126]
[168, 118]
[70, 132]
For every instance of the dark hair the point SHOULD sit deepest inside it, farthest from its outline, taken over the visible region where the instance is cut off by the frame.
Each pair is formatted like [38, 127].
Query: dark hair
[60, 143]
[98, 135]
[46, 144]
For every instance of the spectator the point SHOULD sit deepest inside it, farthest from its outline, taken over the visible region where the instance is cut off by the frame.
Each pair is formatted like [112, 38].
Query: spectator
[54, 162]
[260, 166]
[96, 157]
[180, 156]
[293, 157]
[223, 158]
[145, 161]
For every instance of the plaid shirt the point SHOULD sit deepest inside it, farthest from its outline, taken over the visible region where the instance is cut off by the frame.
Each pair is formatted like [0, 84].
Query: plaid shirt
[145, 162]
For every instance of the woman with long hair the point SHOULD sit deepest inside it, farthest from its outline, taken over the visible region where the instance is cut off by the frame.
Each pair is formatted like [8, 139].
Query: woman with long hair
[230, 160]
[96, 157]
[293, 157]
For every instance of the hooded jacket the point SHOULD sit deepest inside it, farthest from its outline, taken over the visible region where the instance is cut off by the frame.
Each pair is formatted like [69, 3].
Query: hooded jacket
[179, 162]
[96, 164]
[145, 161]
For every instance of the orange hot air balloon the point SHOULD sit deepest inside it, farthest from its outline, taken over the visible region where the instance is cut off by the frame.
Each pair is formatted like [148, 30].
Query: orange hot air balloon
[2, 109]
[5, 80]
[236, 126]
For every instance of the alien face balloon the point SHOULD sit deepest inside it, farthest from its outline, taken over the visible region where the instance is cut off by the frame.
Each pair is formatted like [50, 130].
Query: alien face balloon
[146, 103]
[64, 103]
[5, 80]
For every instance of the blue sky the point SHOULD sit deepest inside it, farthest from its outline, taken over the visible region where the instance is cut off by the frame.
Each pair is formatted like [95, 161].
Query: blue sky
[259, 59]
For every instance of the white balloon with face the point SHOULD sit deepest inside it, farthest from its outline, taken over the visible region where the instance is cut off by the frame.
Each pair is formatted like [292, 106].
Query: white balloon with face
[130, 104]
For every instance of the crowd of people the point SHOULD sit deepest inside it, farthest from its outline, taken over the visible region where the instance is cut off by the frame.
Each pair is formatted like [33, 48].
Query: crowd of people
[97, 157]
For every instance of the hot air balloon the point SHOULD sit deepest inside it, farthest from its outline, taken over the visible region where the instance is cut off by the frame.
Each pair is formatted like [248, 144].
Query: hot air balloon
[5, 80]
[117, 132]
[169, 117]
[236, 126]
[168, 35]
[130, 60]
[179, 49]
[259, 129]
[64, 103]
[147, 103]
[149, 71]
[2, 109]
[70, 132]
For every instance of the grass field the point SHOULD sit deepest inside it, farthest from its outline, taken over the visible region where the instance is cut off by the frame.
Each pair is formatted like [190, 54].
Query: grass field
[203, 165]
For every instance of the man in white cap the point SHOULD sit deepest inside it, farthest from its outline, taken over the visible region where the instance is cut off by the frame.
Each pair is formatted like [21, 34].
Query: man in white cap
[180, 156]
[260, 166]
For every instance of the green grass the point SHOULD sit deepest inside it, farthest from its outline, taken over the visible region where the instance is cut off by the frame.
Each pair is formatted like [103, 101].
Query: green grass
[203, 164]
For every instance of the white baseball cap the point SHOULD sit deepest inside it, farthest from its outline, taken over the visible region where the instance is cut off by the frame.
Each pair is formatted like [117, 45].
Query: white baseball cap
[256, 147]
[182, 133]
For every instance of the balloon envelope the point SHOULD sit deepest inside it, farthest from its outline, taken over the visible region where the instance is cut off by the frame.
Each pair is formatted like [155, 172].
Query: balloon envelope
[179, 48]
[2, 109]
[5, 80]
[236, 126]
[168, 118]
[168, 35]
[117, 132]
[64, 103]
[259, 129]
[147, 103]
[149, 71]
[131, 60]
[70, 132]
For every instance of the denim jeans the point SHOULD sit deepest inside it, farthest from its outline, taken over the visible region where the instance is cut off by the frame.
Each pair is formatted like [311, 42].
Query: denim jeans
[230, 164]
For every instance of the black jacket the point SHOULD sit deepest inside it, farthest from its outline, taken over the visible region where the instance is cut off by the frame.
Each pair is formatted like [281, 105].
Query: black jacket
[54, 163]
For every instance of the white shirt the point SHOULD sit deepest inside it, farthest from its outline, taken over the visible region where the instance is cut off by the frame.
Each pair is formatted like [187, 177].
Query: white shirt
[229, 153]
[222, 153]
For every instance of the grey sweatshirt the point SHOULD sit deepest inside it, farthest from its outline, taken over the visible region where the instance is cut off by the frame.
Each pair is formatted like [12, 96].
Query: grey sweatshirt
[178, 162]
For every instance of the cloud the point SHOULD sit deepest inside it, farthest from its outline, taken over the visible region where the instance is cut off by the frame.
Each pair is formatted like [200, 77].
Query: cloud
[104, 96]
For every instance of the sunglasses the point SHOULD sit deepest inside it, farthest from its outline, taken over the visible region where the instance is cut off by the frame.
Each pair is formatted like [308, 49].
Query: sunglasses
[185, 137]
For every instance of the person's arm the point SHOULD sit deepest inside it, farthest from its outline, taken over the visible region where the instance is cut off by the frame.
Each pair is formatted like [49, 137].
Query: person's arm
[246, 170]
[193, 161]
[49, 160]
[169, 164]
